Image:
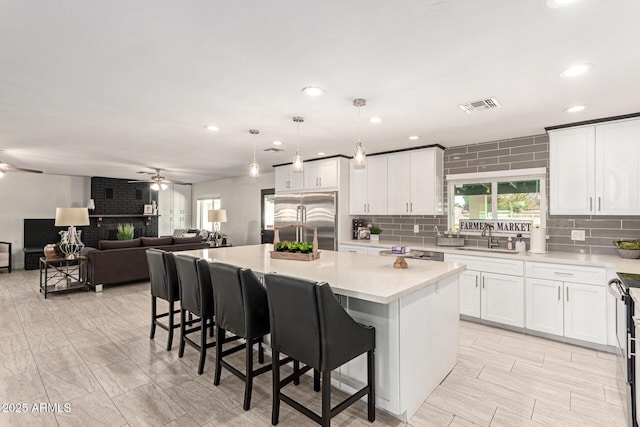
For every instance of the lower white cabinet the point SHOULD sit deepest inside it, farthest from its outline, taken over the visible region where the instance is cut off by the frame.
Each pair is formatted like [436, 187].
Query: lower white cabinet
[502, 298]
[488, 294]
[585, 314]
[545, 306]
[573, 310]
[352, 249]
[470, 293]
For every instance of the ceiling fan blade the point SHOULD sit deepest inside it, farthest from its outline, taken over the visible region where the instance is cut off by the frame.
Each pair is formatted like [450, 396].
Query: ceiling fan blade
[171, 181]
[146, 180]
[10, 168]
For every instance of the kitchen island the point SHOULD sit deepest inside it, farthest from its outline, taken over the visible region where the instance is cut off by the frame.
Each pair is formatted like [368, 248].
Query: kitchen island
[414, 311]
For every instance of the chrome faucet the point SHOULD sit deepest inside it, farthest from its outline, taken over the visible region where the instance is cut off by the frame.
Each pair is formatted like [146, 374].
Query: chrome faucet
[493, 242]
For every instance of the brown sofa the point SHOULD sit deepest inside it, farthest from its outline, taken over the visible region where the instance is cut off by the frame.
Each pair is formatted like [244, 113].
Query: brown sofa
[122, 261]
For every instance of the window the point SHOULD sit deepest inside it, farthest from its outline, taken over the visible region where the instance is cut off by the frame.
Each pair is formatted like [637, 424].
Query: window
[505, 195]
[203, 206]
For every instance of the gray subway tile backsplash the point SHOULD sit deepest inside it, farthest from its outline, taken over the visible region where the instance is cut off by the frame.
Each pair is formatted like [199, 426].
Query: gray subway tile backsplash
[516, 153]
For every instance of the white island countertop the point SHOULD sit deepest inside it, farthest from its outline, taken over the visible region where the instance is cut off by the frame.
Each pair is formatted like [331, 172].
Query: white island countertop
[370, 278]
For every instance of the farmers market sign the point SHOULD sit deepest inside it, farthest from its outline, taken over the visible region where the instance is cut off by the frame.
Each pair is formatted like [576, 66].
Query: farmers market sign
[498, 225]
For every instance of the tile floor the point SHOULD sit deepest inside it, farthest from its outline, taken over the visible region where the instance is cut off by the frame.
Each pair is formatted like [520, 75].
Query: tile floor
[93, 351]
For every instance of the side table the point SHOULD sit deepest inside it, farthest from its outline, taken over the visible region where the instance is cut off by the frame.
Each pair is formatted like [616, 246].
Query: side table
[63, 274]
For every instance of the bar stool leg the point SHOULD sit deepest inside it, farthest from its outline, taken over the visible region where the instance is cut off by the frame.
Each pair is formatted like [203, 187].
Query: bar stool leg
[182, 331]
[275, 405]
[153, 318]
[316, 380]
[260, 351]
[248, 386]
[371, 379]
[203, 344]
[220, 333]
[170, 339]
[326, 398]
[296, 370]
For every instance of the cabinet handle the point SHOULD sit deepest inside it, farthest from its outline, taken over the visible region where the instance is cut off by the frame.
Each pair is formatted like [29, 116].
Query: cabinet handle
[320, 181]
[476, 281]
[599, 204]
[316, 182]
[406, 208]
[368, 208]
[558, 293]
[364, 208]
[567, 294]
[482, 282]
[590, 204]
[560, 273]
[410, 206]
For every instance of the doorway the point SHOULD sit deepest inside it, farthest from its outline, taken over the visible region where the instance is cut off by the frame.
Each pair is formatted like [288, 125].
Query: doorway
[267, 222]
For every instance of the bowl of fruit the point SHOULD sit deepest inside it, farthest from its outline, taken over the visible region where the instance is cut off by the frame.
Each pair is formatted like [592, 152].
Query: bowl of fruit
[628, 248]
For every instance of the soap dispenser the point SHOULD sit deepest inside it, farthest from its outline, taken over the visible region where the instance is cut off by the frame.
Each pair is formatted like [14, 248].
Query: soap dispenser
[510, 243]
[520, 245]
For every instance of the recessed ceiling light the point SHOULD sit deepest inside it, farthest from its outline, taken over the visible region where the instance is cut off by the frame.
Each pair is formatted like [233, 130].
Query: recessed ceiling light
[554, 4]
[212, 128]
[576, 70]
[277, 142]
[575, 109]
[414, 137]
[375, 120]
[312, 91]
[321, 153]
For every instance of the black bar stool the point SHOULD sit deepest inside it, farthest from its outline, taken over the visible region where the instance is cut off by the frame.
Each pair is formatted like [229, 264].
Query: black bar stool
[309, 325]
[196, 298]
[242, 309]
[164, 285]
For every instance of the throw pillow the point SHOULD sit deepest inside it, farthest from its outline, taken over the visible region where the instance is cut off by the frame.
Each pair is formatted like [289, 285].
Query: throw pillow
[183, 240]
[118, 244]
[156, 241]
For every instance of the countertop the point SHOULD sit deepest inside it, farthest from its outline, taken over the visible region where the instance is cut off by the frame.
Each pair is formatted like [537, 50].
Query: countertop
[370, 278]
[612, 262]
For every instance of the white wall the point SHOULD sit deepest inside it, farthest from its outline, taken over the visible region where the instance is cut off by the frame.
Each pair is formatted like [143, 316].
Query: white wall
[241, 198]
[26, 195]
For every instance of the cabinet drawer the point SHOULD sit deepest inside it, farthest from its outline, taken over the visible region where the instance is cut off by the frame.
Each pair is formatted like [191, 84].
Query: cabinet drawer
[489, 265]
[566, 273]
[353, 249]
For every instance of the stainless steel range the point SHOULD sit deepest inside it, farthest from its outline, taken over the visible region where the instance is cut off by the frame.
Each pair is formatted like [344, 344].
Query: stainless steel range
[626, 346]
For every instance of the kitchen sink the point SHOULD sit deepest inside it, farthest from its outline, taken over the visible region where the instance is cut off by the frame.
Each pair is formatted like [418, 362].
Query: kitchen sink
[492, 250]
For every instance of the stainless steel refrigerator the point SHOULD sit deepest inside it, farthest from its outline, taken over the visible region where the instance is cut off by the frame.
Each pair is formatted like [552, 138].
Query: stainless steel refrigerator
[313, 209]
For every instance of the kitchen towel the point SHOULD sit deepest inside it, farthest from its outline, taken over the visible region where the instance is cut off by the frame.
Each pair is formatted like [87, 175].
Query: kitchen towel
[538, 243]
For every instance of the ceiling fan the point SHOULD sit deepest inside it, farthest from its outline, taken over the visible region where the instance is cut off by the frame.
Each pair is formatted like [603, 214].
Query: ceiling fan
[6, 167]
[157, 181]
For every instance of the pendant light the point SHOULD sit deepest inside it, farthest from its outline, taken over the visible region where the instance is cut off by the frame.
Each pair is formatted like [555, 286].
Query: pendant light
[359, 153]
[297, 159]
[254, 167]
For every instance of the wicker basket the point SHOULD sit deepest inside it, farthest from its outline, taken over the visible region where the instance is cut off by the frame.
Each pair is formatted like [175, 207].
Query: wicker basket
[296, 256]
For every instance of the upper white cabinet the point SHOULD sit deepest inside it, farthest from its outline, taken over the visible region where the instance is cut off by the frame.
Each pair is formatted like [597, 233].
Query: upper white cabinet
[316, 175]
[321, 174]
[288, 180]
[416, 179]
[368, 187]
[594, 169]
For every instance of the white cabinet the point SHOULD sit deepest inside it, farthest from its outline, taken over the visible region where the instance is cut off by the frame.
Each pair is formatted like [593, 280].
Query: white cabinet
[174, 208]
[287, 180]
[487, 293]
[502, 299]
[470, 293]
[593, 170]
[416, 180]
[565, 307]
[585, 312]
[321, 175]
[368, 187]
[545, 306]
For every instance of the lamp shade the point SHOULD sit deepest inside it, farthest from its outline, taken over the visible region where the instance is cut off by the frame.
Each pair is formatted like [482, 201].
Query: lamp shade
[218, 215]
[71, 216]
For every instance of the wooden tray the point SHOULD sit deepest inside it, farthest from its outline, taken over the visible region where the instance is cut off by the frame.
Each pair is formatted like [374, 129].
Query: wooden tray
[297, 256]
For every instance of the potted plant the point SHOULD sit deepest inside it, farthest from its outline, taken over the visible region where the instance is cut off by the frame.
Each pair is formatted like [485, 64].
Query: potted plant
[125, 231]
[306, 247]
[375, 233]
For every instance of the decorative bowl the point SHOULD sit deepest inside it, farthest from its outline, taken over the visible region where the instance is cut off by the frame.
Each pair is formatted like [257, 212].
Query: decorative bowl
[631, 252]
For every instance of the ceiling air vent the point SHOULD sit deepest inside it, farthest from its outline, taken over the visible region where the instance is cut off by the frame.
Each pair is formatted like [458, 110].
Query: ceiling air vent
[485, 104]
[273, 150]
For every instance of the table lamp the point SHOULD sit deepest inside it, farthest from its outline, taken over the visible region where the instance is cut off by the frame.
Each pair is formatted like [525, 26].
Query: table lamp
[217, 216]
[70, 242]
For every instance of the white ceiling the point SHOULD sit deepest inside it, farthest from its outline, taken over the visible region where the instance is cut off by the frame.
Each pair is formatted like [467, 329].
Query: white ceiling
[111, 88]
